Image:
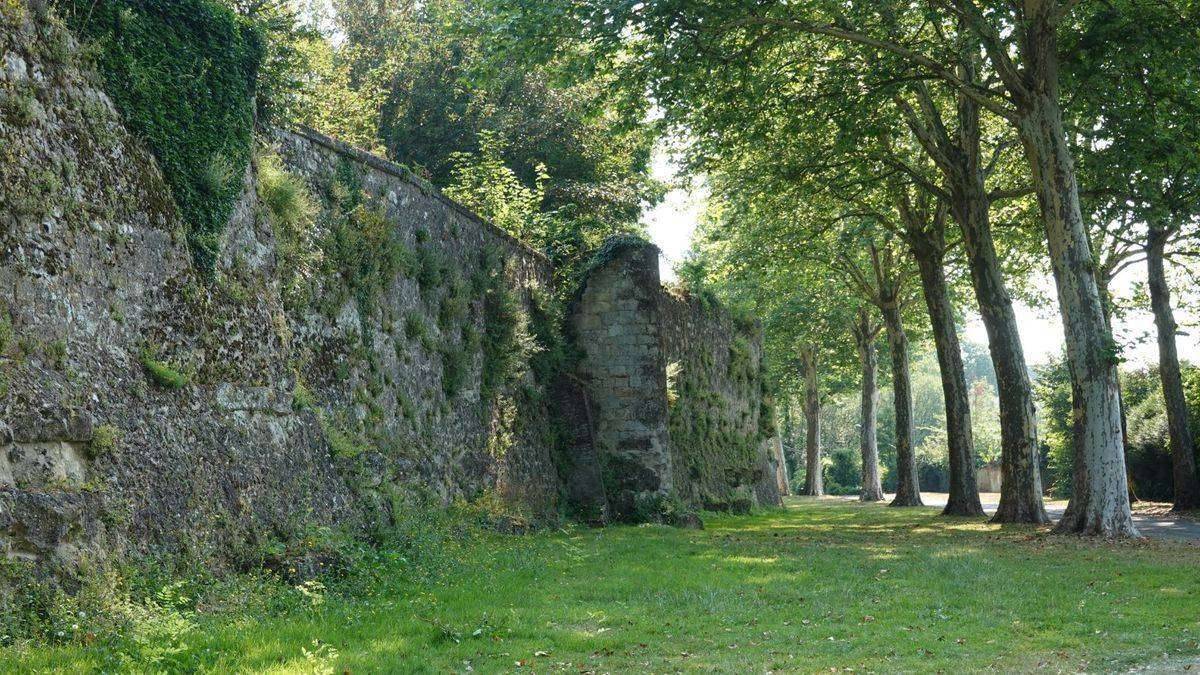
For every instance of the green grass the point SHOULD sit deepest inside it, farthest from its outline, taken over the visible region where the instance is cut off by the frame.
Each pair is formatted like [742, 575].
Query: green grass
[820, 585]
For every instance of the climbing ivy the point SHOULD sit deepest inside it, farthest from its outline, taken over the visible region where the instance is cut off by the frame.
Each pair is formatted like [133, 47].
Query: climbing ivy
[182, 74]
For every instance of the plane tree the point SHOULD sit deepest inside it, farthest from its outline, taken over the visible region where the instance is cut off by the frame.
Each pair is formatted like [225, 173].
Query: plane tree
[805, 319]
[1134, 114]
[676, 49]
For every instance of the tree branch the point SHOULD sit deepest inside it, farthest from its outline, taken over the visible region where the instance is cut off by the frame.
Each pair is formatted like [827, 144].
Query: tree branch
[983, 97]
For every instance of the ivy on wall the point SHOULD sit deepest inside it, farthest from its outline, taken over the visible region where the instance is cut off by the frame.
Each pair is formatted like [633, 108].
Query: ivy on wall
[182, 73]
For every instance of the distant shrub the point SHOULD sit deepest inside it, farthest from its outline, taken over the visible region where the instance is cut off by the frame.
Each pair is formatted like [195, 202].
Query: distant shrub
[843, 473]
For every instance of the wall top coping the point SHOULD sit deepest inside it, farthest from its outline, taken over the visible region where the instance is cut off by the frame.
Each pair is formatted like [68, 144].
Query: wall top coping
[403, 173]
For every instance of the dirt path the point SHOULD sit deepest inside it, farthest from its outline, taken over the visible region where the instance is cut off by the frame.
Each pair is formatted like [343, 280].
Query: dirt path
[1152, 520]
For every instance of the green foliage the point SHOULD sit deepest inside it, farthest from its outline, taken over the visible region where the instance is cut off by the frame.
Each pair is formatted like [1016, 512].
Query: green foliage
[1148, 454]
[456, 365]
[416, 328]
[361, 248]
[455, 305]
[302, 397]
[18, 104]
[57, 353]
[613, 247]
[668, 509]
[285, 73]
[552, 161]
[143, 616]
[843, 473]
[503, 326]
[182, 73]
[7, 335]
[485, 184]
[430, 270]
[1052, 384]
[162, 373]
[551, 352]
[343, 444]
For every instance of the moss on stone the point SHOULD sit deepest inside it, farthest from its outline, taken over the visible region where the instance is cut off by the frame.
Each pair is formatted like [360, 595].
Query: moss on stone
[162, 373]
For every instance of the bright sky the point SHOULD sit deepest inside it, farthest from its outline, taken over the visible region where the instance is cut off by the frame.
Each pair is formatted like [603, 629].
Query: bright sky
[671, 224]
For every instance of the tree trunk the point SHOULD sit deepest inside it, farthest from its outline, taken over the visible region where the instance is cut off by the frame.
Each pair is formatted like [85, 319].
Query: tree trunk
[908, 491]
[789, 439]
[1021, 483]
[1100, 503]
[868, 443]
[1183, 457]
[1021, 480]
[1103, 281]
[964, 494]
[814, 483]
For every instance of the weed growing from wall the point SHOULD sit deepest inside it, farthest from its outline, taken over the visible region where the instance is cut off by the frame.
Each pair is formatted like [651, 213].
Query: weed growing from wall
[361, 248]
[162, 373]
[292, 212]
[104, 440]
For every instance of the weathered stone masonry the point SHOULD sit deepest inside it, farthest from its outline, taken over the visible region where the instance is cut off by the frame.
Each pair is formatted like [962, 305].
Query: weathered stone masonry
[328, 411]
[615, 324]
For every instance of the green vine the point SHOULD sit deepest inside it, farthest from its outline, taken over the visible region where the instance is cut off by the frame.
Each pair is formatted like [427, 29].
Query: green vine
[182, 74]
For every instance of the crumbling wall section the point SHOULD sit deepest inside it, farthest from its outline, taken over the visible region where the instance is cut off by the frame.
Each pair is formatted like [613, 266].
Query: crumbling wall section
[616, 326]
[682, 411]
[721, 419]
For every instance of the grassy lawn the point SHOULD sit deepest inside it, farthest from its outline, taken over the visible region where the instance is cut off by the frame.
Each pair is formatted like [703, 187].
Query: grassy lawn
[820, 585]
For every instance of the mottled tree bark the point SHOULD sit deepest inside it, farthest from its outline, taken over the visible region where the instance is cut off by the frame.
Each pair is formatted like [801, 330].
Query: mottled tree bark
[1100, 503]
[1183, 452]
[964, 493]
[908, 491]
[1103, 281]
[789, 435]
[864, 338]
[814, 482]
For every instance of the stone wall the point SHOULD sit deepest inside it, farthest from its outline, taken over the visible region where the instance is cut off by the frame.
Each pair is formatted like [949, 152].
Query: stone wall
[144, 407]
[381, 369]
[616, 325]
[97, 286]
[678, 389]
[327, 374]
[721, 421]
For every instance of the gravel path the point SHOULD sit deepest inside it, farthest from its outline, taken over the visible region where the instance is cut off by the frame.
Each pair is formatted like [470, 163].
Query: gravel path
[1155, 525]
